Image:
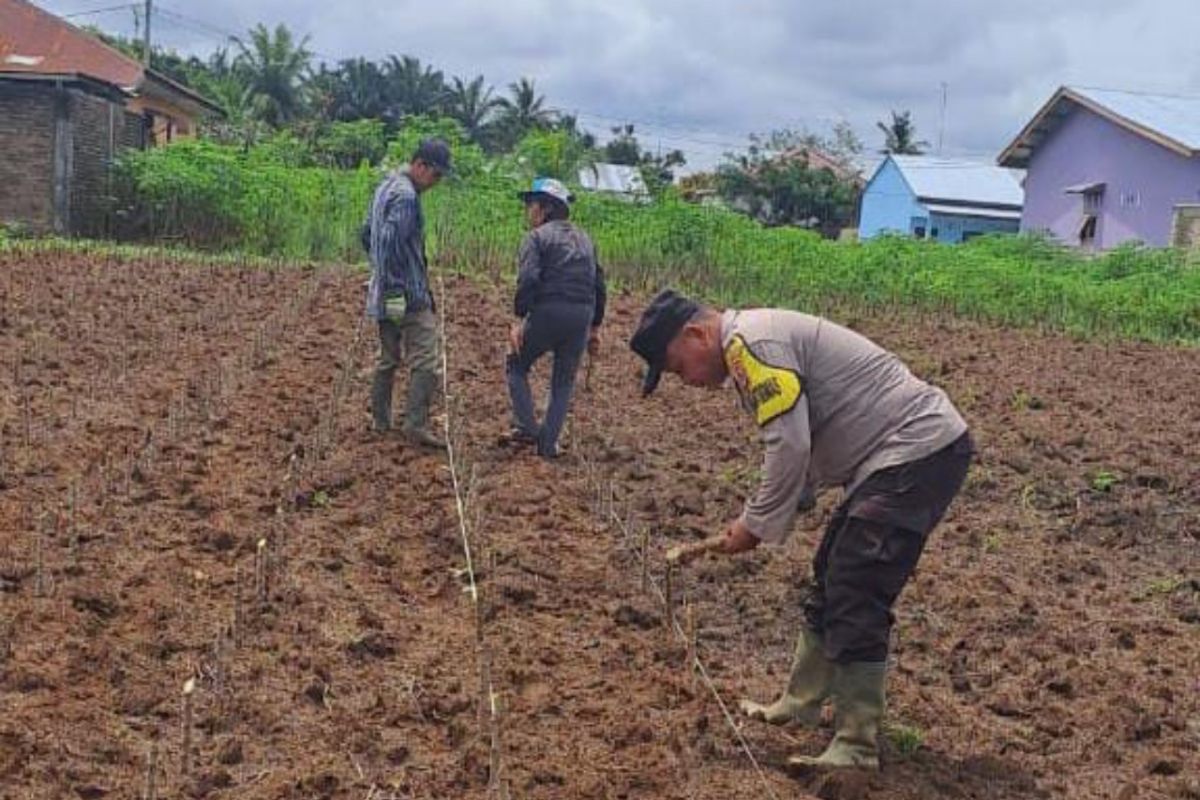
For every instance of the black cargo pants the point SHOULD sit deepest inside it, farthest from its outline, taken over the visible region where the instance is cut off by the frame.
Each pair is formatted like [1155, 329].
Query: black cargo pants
[871, 547]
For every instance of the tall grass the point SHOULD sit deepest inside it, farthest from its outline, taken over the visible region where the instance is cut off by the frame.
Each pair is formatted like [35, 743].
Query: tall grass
[204, 195]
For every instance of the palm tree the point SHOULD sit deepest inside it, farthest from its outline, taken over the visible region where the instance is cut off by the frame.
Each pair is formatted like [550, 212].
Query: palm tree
[413, 89]
[274, 67]
[570, 124]
[472, 105]
[525, 109]
[321, 91]
[359, 91]
[899, 137]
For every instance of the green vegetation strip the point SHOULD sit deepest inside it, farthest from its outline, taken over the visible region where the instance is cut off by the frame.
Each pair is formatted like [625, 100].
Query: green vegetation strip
[214, 197]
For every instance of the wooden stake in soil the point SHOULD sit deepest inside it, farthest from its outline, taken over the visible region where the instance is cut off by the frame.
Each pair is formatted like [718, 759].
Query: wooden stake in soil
[72, 503]
[494, 754]
[189, 688]
[690, 622]
[27, 414]
[152, 772]
[260, 571]
[237, 605]
[645, 548]
[668, 612]
[39, 581]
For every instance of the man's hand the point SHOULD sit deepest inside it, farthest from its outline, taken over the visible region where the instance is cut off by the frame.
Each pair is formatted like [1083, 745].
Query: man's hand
[738, 539]
[594, 342]
[516, 336]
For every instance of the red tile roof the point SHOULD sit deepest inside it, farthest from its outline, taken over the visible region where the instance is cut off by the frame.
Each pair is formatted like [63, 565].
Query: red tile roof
[33, 40]
[819, 159]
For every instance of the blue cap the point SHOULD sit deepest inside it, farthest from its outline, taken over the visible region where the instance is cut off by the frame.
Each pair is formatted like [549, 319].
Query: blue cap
[548, 187]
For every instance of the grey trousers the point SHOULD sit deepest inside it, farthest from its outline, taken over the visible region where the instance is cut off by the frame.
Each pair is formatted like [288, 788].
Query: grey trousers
[561, 329]
[413, 338]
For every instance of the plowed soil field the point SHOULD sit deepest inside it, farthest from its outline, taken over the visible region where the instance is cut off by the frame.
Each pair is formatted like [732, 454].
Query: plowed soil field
[216, 582]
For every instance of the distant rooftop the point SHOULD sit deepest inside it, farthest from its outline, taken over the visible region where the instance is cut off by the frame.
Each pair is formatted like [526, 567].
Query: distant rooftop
[960, 181]
[617, 178]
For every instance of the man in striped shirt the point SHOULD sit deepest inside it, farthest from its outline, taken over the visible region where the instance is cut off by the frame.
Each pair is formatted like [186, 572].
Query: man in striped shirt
[399, 298]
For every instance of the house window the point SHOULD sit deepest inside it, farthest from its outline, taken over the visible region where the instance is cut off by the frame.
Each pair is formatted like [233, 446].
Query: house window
[933, 233]
[1091, 202]
[1131, 199]
[919, 232]
[1087, 229]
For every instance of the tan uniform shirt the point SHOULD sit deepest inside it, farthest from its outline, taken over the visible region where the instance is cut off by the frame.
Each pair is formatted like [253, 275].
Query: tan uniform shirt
[833, 408]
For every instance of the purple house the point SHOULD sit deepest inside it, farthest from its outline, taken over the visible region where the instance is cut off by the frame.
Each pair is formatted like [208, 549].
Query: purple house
[1105, 167]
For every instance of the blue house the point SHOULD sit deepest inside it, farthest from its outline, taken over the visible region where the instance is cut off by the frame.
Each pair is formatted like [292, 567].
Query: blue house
[949, 200]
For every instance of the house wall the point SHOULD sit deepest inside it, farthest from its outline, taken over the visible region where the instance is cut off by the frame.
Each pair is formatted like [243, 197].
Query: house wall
[888, 204]
[101, 129]
[171, 122]
[27, 164]
[951, 228]
[1144, 183]
[58, 147]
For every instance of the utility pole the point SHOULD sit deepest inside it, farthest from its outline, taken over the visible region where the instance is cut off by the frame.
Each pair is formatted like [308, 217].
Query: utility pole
[941, 121]
[146, 37]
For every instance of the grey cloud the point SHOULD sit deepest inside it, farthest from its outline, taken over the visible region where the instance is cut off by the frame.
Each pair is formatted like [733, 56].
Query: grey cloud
[707, 72]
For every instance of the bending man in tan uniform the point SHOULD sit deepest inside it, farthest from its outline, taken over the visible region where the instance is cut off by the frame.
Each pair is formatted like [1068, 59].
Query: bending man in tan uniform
[834, 409]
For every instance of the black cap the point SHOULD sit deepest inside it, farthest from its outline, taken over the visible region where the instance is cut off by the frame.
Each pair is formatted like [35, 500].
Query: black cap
[666, 315]
[435, 153]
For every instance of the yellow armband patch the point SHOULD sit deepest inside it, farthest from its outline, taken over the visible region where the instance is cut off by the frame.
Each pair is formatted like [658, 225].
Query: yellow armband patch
[768, 391]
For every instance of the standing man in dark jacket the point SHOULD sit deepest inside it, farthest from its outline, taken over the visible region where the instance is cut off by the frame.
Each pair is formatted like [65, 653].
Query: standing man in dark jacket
[560, 300]
[399, 298]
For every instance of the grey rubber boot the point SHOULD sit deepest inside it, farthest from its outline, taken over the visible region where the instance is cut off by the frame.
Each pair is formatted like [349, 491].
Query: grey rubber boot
[858, 696]
[807, 687]
[422, 386]
[381, 401]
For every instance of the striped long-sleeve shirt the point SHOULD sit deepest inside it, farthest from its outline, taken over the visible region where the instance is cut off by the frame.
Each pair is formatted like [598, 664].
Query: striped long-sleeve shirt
[396, 240]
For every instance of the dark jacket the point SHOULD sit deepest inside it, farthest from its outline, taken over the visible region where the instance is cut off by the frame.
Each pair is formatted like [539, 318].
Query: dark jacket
[558, 263]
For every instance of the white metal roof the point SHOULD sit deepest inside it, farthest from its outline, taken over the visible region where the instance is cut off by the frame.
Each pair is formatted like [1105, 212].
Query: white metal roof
[1175, 116]
[933, 178]
[617, 178]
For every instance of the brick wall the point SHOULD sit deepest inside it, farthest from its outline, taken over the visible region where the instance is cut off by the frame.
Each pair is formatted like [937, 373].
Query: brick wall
[27, 164]
[93, 131]
[133, 133]
[96, 131]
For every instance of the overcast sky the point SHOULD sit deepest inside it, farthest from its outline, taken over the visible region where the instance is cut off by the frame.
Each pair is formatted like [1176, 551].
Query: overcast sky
[699, 75]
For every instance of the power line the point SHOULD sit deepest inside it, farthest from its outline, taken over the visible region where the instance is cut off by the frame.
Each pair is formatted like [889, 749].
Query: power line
[702, 146]
[712, 143]
[205, 27]
[192, 24]
[104, 10]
